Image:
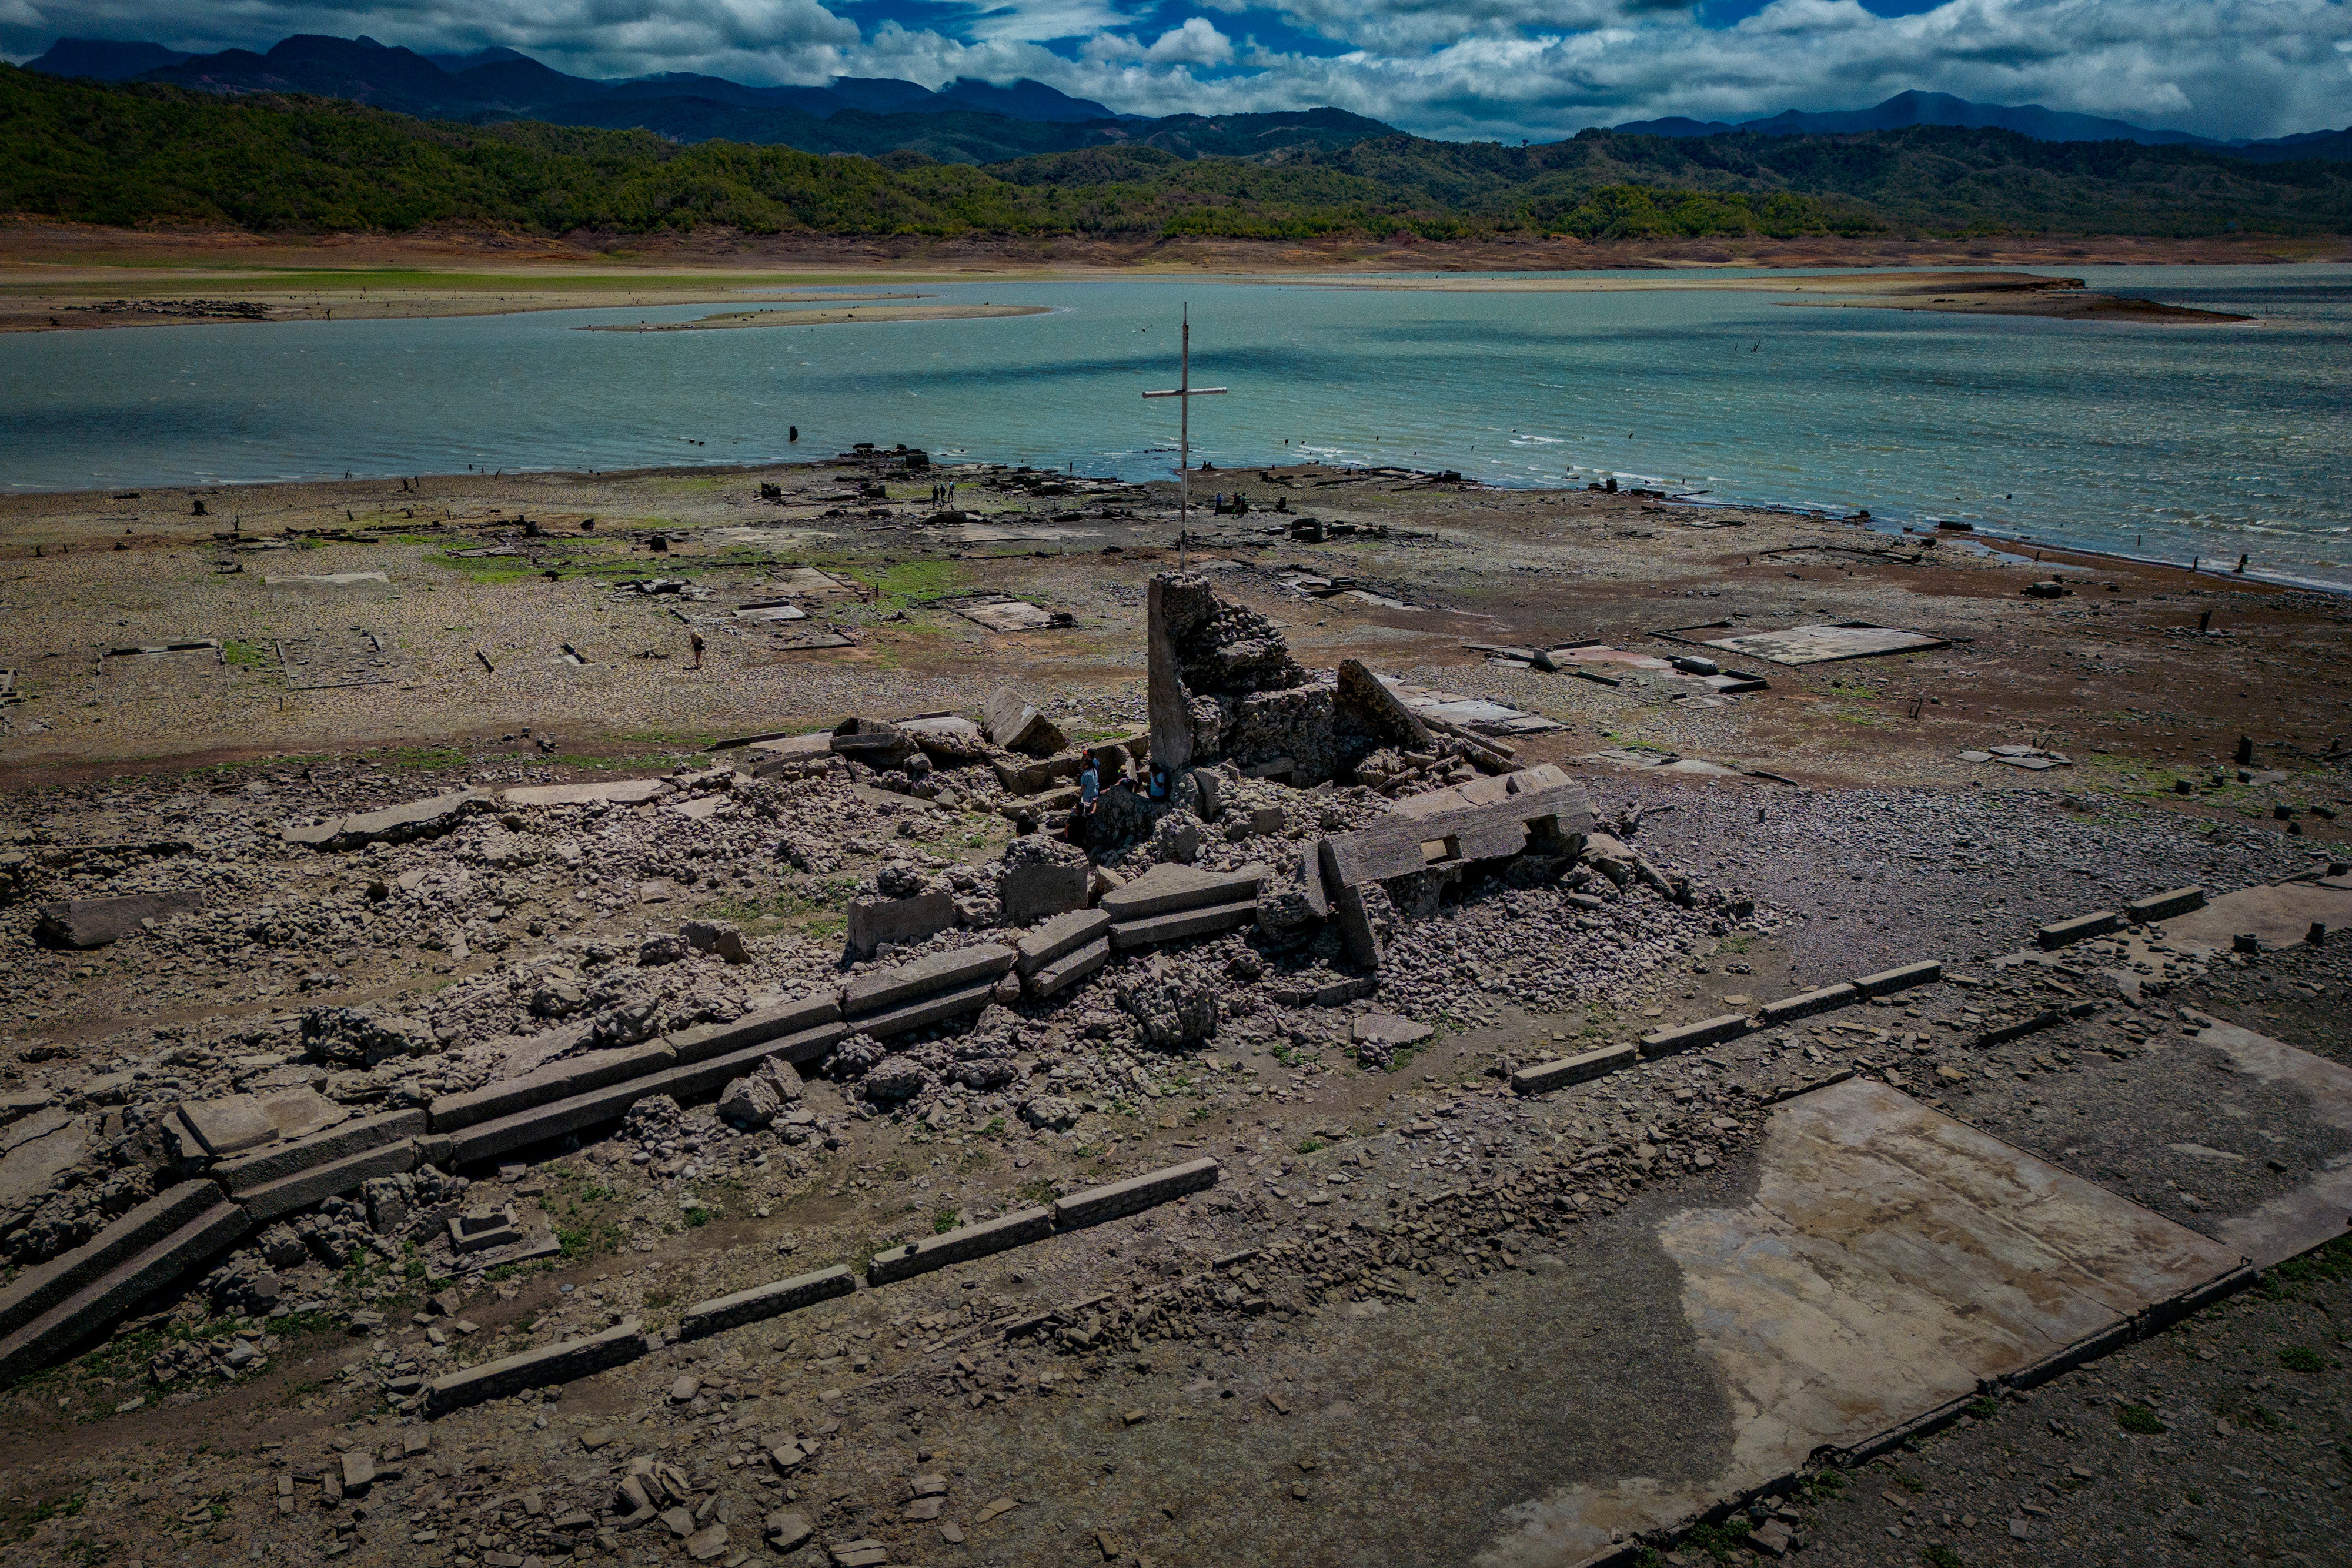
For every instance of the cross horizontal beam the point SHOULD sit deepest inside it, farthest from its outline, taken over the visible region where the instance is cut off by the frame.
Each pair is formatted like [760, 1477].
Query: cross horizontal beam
[1186, 391]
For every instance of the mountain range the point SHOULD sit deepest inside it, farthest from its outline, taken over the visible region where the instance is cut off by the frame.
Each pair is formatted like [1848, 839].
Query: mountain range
[1916, 108]
[967, 122]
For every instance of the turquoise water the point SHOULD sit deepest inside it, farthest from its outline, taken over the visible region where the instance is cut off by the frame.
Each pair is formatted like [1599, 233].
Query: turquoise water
[2166, 442]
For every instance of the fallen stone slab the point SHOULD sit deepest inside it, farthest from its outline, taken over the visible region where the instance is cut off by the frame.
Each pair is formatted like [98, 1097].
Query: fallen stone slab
[1134, 1194]
[229, 1125]
[556, 1081]
[881, 988]
[2081, 928]
[2018, 1031]
[946, 738]
[1169, 887]
[96, 1306]
[394, 824]
[1546, 1076]
[42, 1287]
[558, 1363]
[1886, 982]
[618, 792]
[2164, 905]
[1042, 890]
[287, 1194]
[930, 1010]
[1828, 999]
[95, 922]
[1035, 777]
[1016, 724]
[1183, 925]
[1379, 712]
[1536, 813]
[960, 1245]
[706, 1040]
[242, 1175]
[1691, 1036]
[1390, 1030]
[1070, 968]
[685, 1082]
[772, 1299]
[1062, 934]
[1358, 937]
[873, 921]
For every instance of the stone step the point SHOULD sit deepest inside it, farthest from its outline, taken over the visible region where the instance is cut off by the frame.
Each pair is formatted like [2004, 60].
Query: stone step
[1067, 970]
[1182, 925]
[1168, 888]
[929, 1009]
[42, 1287]
[1690, 1036]
[1062, 934]
[1829, 999]
[284, 1195]
[772, 1299]
[556, 1081]
[886, 990]
[96, 1306]
[960, 1245]
[2164, 905]
[710, 1040]
[1545, 1076]
[2082, 928]
[685, 1082]
[1134, 1194]
[558, 1363]
[242, 1174]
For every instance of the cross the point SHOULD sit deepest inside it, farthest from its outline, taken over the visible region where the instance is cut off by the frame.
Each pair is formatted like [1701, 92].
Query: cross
[1185, 391]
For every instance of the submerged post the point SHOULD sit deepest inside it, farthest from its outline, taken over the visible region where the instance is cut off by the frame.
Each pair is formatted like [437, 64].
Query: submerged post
[1184, 392]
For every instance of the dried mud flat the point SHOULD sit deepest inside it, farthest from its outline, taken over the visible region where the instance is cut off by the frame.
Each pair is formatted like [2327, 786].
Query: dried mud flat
[1413, 1305]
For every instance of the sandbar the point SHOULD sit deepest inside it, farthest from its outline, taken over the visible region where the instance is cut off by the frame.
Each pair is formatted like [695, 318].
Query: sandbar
[842, 316]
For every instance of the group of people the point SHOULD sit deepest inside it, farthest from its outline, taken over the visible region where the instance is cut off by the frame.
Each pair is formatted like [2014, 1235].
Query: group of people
[942, 494]
[1091, 783]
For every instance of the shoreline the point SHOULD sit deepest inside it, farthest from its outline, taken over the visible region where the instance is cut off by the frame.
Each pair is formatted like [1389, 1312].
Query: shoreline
[844, 316]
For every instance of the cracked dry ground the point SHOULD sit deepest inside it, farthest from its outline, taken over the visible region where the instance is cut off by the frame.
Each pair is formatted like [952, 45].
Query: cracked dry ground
[1414, 1301]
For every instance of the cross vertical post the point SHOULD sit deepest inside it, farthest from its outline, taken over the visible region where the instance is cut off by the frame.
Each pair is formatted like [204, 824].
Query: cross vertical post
[1184, 392]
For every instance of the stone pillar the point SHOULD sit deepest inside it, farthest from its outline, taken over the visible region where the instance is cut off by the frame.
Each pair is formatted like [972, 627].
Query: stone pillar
[1172, 710]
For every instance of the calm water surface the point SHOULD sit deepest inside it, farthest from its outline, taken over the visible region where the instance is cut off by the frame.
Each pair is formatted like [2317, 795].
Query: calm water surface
[2166, 441]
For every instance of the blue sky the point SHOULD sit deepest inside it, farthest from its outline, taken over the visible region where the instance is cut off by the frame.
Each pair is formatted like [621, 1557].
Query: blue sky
[1488, 69]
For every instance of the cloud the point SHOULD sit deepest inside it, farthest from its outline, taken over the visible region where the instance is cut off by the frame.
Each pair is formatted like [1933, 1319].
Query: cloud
[1492, 68]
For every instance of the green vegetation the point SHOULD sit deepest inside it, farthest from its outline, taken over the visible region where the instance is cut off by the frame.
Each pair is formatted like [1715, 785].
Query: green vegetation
[943, 1221]
[2301, 1358]
[236, 651]
[2138, 1419]
[126, 154]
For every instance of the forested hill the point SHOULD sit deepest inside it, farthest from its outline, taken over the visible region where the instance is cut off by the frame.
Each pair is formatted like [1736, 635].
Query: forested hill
[148, 154]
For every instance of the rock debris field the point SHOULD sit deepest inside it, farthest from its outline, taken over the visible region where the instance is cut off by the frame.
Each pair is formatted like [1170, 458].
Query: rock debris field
[1244, 1111]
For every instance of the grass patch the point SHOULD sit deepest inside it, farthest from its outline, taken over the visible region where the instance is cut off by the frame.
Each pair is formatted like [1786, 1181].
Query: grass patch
[2138, 1419]
[2302, 1358]
[1718, 1541]
[914, 582]
[1310, 1145]
[943, 1221]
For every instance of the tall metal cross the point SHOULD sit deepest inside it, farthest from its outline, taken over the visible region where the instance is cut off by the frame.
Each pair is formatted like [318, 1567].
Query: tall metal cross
[1184, 392]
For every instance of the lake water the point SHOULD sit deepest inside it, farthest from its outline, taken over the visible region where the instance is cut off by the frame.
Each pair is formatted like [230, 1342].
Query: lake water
[2163, 442]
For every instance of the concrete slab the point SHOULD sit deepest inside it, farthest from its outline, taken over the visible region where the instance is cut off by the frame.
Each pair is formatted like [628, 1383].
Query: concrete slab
[1823, 644]
[95, 922]
[618, 792]
[1888, 1261]
[2316, 1212]
[1062, 934]
[1169, 887]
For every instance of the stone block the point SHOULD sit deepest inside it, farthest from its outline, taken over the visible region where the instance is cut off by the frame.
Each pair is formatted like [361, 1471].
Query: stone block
[43, 1286]
[1031, 892]
[1536, 813]
[1183, 925]
[873, 921]
[287, 1194]
[394, 824]
[1829, 999]
[1886, 982]
[1690, 1036]
[1070, 968]
[1136, 1193]
[556, 1081]
[960, 1245]
[947, 739]
[1166, 889]
[874, 991]
[558, 1363]
[1062, 934]
[706, 1040]
[95, 922]
[97, 1305]
[1357, 936]
[771, 1300]
[2081, 928]
[1545, 1076]
[1362, 697]
[1388, 1030]
[239, 1177]
[1035, 778]
[2164, 905]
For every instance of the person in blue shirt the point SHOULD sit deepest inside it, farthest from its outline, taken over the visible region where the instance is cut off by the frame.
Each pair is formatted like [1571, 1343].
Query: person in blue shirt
[1158, 788]
[1089, 783]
